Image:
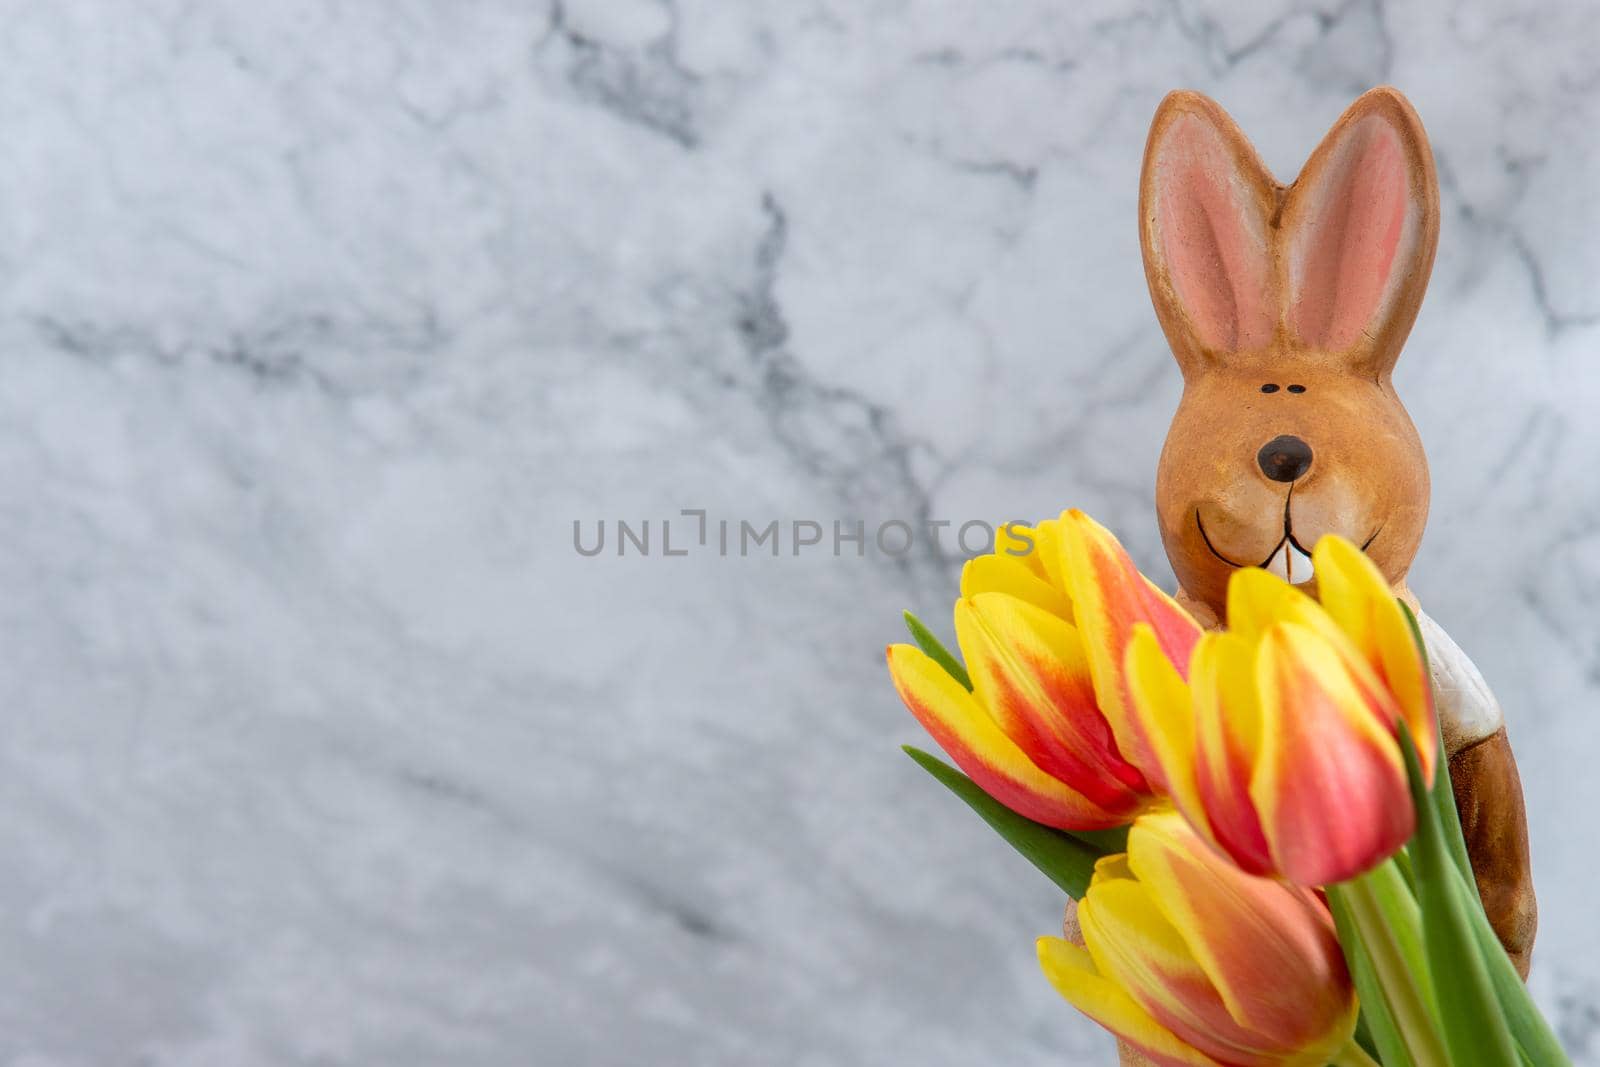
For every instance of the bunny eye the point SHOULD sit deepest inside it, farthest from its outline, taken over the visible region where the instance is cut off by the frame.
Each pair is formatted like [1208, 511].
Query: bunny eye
[1297, 388]
[1270, 388]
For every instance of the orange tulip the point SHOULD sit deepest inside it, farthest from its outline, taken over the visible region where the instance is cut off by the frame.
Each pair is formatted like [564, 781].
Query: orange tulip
[1197, 964]
[1280, 747]
[1047, 728]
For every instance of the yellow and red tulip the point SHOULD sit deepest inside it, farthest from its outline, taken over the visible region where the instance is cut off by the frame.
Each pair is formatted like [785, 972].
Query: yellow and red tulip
[1197, 964]
[1280, 746]
[1298, 748]
[1047, 727]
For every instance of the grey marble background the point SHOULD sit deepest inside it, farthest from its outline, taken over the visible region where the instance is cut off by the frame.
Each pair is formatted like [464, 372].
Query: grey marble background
[321, 323]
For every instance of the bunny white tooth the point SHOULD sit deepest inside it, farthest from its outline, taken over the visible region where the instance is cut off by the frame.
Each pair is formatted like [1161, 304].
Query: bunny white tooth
[1305, 568]
[1279, 563]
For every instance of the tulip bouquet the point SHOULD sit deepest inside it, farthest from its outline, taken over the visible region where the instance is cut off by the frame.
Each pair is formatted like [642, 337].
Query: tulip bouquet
[1255, 822]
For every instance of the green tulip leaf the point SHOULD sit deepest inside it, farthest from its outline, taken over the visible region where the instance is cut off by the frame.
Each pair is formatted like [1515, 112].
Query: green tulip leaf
[1063, 858]
[1473, 1021]
[1443, 795]
[936, 650]
[1535, 1039]
[1105, 842]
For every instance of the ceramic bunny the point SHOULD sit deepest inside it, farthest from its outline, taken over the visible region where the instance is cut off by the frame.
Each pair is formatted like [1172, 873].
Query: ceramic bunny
[1286, 307]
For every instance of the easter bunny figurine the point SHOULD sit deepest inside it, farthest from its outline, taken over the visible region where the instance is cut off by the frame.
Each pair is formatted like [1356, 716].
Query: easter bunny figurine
[1285, 307]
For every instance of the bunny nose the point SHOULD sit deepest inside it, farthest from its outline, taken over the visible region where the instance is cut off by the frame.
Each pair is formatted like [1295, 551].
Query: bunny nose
[1285, 458]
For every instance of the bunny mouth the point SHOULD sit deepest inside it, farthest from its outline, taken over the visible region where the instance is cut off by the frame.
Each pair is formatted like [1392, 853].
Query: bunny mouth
[1280, 561]
[1289, 559]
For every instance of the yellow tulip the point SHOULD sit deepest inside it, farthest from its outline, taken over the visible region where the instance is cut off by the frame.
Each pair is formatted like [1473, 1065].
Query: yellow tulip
[1197, 964]
[1280, 747]
[1047, 728]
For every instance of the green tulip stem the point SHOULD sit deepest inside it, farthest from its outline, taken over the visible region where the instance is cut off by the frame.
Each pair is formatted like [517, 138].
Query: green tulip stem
[1378, 917]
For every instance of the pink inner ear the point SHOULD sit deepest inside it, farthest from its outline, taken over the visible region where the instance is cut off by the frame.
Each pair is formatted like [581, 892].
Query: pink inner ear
[1342, 262]
[1211, 238]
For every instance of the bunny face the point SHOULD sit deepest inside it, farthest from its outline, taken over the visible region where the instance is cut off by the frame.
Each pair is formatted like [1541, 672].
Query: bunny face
[1286, 308]
[1251, 477]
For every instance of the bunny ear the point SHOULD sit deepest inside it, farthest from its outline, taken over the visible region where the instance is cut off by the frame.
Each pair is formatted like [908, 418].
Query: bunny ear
[1205, 225]
[1359, 229]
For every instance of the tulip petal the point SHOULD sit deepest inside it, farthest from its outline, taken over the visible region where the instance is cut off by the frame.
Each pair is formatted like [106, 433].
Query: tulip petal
[1071, 971]
[1259, 598]
[1028, 669]
[1133, 944]
[1161, 702]
[1003, 574]
[1330, 785]
[1269, 949]
[965, 731]
[1038, 547]
[1047, 537]
[1112, 867]
[1363, 605]
[1255, 599]
[1228, 738]
[1109, 596]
